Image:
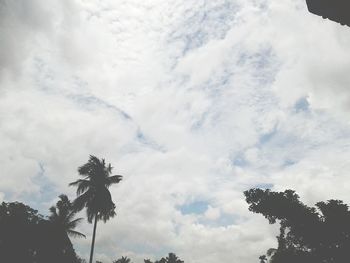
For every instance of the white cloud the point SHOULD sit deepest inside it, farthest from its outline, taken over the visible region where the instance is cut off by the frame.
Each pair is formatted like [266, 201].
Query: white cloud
[190, 100]
[212, 213]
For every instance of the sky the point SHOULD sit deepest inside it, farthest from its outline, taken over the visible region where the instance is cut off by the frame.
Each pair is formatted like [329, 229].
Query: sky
[192, 101]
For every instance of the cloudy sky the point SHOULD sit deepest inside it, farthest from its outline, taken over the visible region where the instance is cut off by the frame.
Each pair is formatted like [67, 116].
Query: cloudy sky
[193, 101]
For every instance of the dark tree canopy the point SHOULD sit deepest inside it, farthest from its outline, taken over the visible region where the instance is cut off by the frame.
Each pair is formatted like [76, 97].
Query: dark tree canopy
[93, 190]
[26, 236]
[318, 234]
[63, 216]
[171, 258]
[122, 260]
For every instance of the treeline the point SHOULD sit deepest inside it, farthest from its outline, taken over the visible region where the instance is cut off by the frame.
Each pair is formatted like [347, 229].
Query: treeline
[307, 234]
[28, 237]
[319, 234]
[171, 258]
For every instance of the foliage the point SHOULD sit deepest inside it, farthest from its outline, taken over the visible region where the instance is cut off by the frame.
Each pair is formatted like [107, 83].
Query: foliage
[307, 234]
[26, 236]
[62, 215]
[122, 260]
[92, 190]
[171, 258]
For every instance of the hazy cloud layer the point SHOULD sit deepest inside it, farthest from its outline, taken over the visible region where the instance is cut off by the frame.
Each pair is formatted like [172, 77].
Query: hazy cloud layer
[193, 101]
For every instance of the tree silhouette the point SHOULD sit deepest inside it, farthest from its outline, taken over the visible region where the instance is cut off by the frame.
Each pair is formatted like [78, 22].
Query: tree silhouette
[26, 236]
[18, 225]
[307, 234]
[122, 260]
[93, 193]
[172, 258]
[62, 215]
[263, 259]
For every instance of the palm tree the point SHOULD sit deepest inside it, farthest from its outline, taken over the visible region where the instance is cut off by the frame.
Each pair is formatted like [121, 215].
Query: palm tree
[123, 260]
[93, 193]
[62, 215]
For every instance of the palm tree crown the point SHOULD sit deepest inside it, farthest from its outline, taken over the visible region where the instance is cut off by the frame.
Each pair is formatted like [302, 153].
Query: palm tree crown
[123, 260]
[93, 193]
[93, 190]
[62, 215]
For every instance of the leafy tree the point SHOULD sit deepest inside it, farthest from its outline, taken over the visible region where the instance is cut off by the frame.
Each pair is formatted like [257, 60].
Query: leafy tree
[122, 260]
[171, 258]
[307, 234]
[26, 236]
[62, 215]
[93, 193]
[18, 224]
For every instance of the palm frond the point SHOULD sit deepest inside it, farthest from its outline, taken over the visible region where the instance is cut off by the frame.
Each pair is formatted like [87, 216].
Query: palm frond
[74, 233]
[80, 202]
[64, 198]
[114, 179]
[53, 211]
[53, 216]
[109, 169]
[91, 213]
[82, 184]
[72, 224]
[91, 166]
[69, 217]
[74, 183]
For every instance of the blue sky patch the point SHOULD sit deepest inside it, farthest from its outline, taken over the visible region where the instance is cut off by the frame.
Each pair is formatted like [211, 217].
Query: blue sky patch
[239, 160]
[46, 192]
[265, 138]
[197, 207]
[302, 105]
[264, 186]
[224, 220]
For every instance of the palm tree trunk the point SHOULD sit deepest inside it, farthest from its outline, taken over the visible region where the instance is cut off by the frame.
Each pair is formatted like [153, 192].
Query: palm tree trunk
[93, 240]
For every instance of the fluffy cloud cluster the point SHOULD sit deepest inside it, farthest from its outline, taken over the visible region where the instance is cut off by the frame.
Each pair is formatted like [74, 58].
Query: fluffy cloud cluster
[192, 101]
